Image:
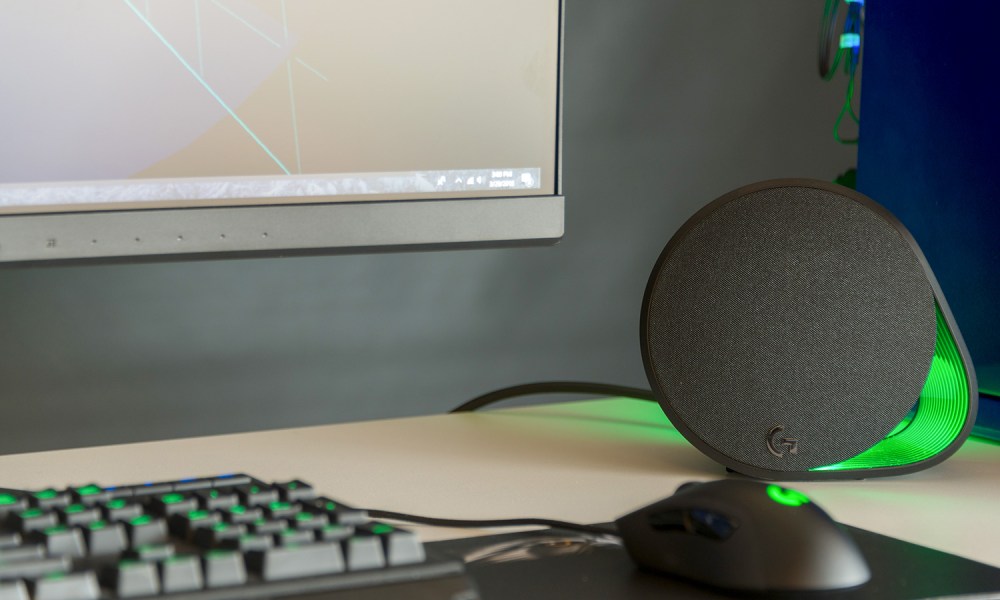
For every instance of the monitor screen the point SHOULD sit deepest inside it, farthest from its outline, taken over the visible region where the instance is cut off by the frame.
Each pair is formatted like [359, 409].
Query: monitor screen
[168, 128]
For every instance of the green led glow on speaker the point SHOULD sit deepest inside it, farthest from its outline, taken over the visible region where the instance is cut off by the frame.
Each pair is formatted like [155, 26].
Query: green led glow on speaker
[940, 414]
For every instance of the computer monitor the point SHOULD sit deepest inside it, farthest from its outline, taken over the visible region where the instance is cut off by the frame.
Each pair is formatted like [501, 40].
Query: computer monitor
[166, 129]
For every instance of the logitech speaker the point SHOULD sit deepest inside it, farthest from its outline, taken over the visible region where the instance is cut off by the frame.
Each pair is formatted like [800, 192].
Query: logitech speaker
[792, 329]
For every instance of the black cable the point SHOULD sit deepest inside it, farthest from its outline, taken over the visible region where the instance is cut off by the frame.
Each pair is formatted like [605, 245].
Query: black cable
[828, 60]
[555, 387]
[481, 524]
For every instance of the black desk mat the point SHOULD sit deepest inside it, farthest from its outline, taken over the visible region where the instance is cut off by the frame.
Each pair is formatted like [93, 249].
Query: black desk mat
[555, 564]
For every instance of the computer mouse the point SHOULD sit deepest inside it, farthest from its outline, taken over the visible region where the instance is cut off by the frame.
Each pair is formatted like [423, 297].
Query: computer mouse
[744, 535]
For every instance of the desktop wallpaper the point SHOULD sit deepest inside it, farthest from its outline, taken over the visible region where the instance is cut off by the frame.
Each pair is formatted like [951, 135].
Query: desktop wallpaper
[303, 98]
[668, 104]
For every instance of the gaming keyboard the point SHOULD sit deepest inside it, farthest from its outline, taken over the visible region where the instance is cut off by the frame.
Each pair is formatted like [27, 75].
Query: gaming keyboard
[209, 538]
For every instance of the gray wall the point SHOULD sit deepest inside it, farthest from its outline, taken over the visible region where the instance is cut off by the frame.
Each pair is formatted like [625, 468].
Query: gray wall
[668, 105]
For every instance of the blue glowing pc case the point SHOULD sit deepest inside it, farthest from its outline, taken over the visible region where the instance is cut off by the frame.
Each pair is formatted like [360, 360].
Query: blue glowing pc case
[929, 151]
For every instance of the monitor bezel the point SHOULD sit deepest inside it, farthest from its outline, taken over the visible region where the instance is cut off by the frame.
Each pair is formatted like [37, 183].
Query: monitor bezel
[291, 229]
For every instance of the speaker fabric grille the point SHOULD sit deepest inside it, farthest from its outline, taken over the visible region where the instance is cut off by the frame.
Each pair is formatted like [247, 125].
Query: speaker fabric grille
[788, 328]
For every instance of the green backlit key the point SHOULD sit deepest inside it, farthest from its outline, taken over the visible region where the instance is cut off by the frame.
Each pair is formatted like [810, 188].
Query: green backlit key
[173, 503]
[217, 499]
[242, 514]
[11, 503]
[256, 495]
[62, 540]
[295, 491]
[33, 519]
[90, 494]
[214, 536]
[310, 521]
[146, 530]
[79, 514]
[121, 509]
[50, 498]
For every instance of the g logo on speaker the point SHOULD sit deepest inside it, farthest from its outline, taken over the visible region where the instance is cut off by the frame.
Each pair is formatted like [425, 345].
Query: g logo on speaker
[779, 445]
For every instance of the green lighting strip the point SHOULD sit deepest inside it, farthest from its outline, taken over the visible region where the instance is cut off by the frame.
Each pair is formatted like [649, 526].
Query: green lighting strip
[940, 415]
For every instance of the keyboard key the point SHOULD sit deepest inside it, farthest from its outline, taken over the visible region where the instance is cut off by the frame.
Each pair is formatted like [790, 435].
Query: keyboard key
[364, 552]
[186, 524]
[79, 514]
[293, 537]
[150, 489]
[401, 547]
[256, 495]
[120, 509]
[404, 548]
[334, 533]
[66, 586]
[265, 527]
[133, 578]
[11, 554]
[50, 498]
[117, 493]
[10, 503]
[190, 485]
[173, 503]
[341, 514]
[90, 494]
[310, 521]
[32, 519]
[33, 568]
[62, 540]
[145, 530]
[223, 568]
[14, 590]
[230, 480]
[296, 561]
[104, 538]
[282, 510]
[248, 542]
[211, 537]
[9, 540]
[242, 514]
[180, 574]
[295, 491]
[216, 499]
[151, 552]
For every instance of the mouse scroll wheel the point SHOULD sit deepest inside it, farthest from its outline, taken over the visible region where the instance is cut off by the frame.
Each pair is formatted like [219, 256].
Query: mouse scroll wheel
[716, 526]
[705, 523]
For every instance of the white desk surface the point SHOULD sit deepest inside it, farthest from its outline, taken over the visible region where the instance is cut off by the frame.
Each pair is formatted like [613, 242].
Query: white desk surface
[582, 461]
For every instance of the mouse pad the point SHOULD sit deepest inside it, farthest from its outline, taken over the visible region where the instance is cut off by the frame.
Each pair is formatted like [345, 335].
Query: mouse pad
[558, 564]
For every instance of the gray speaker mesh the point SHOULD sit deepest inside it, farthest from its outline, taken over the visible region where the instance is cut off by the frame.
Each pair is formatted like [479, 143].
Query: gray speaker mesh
[792, 307]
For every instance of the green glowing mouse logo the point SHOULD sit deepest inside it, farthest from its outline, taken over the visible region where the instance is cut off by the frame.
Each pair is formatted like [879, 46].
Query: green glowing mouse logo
[786, 496]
